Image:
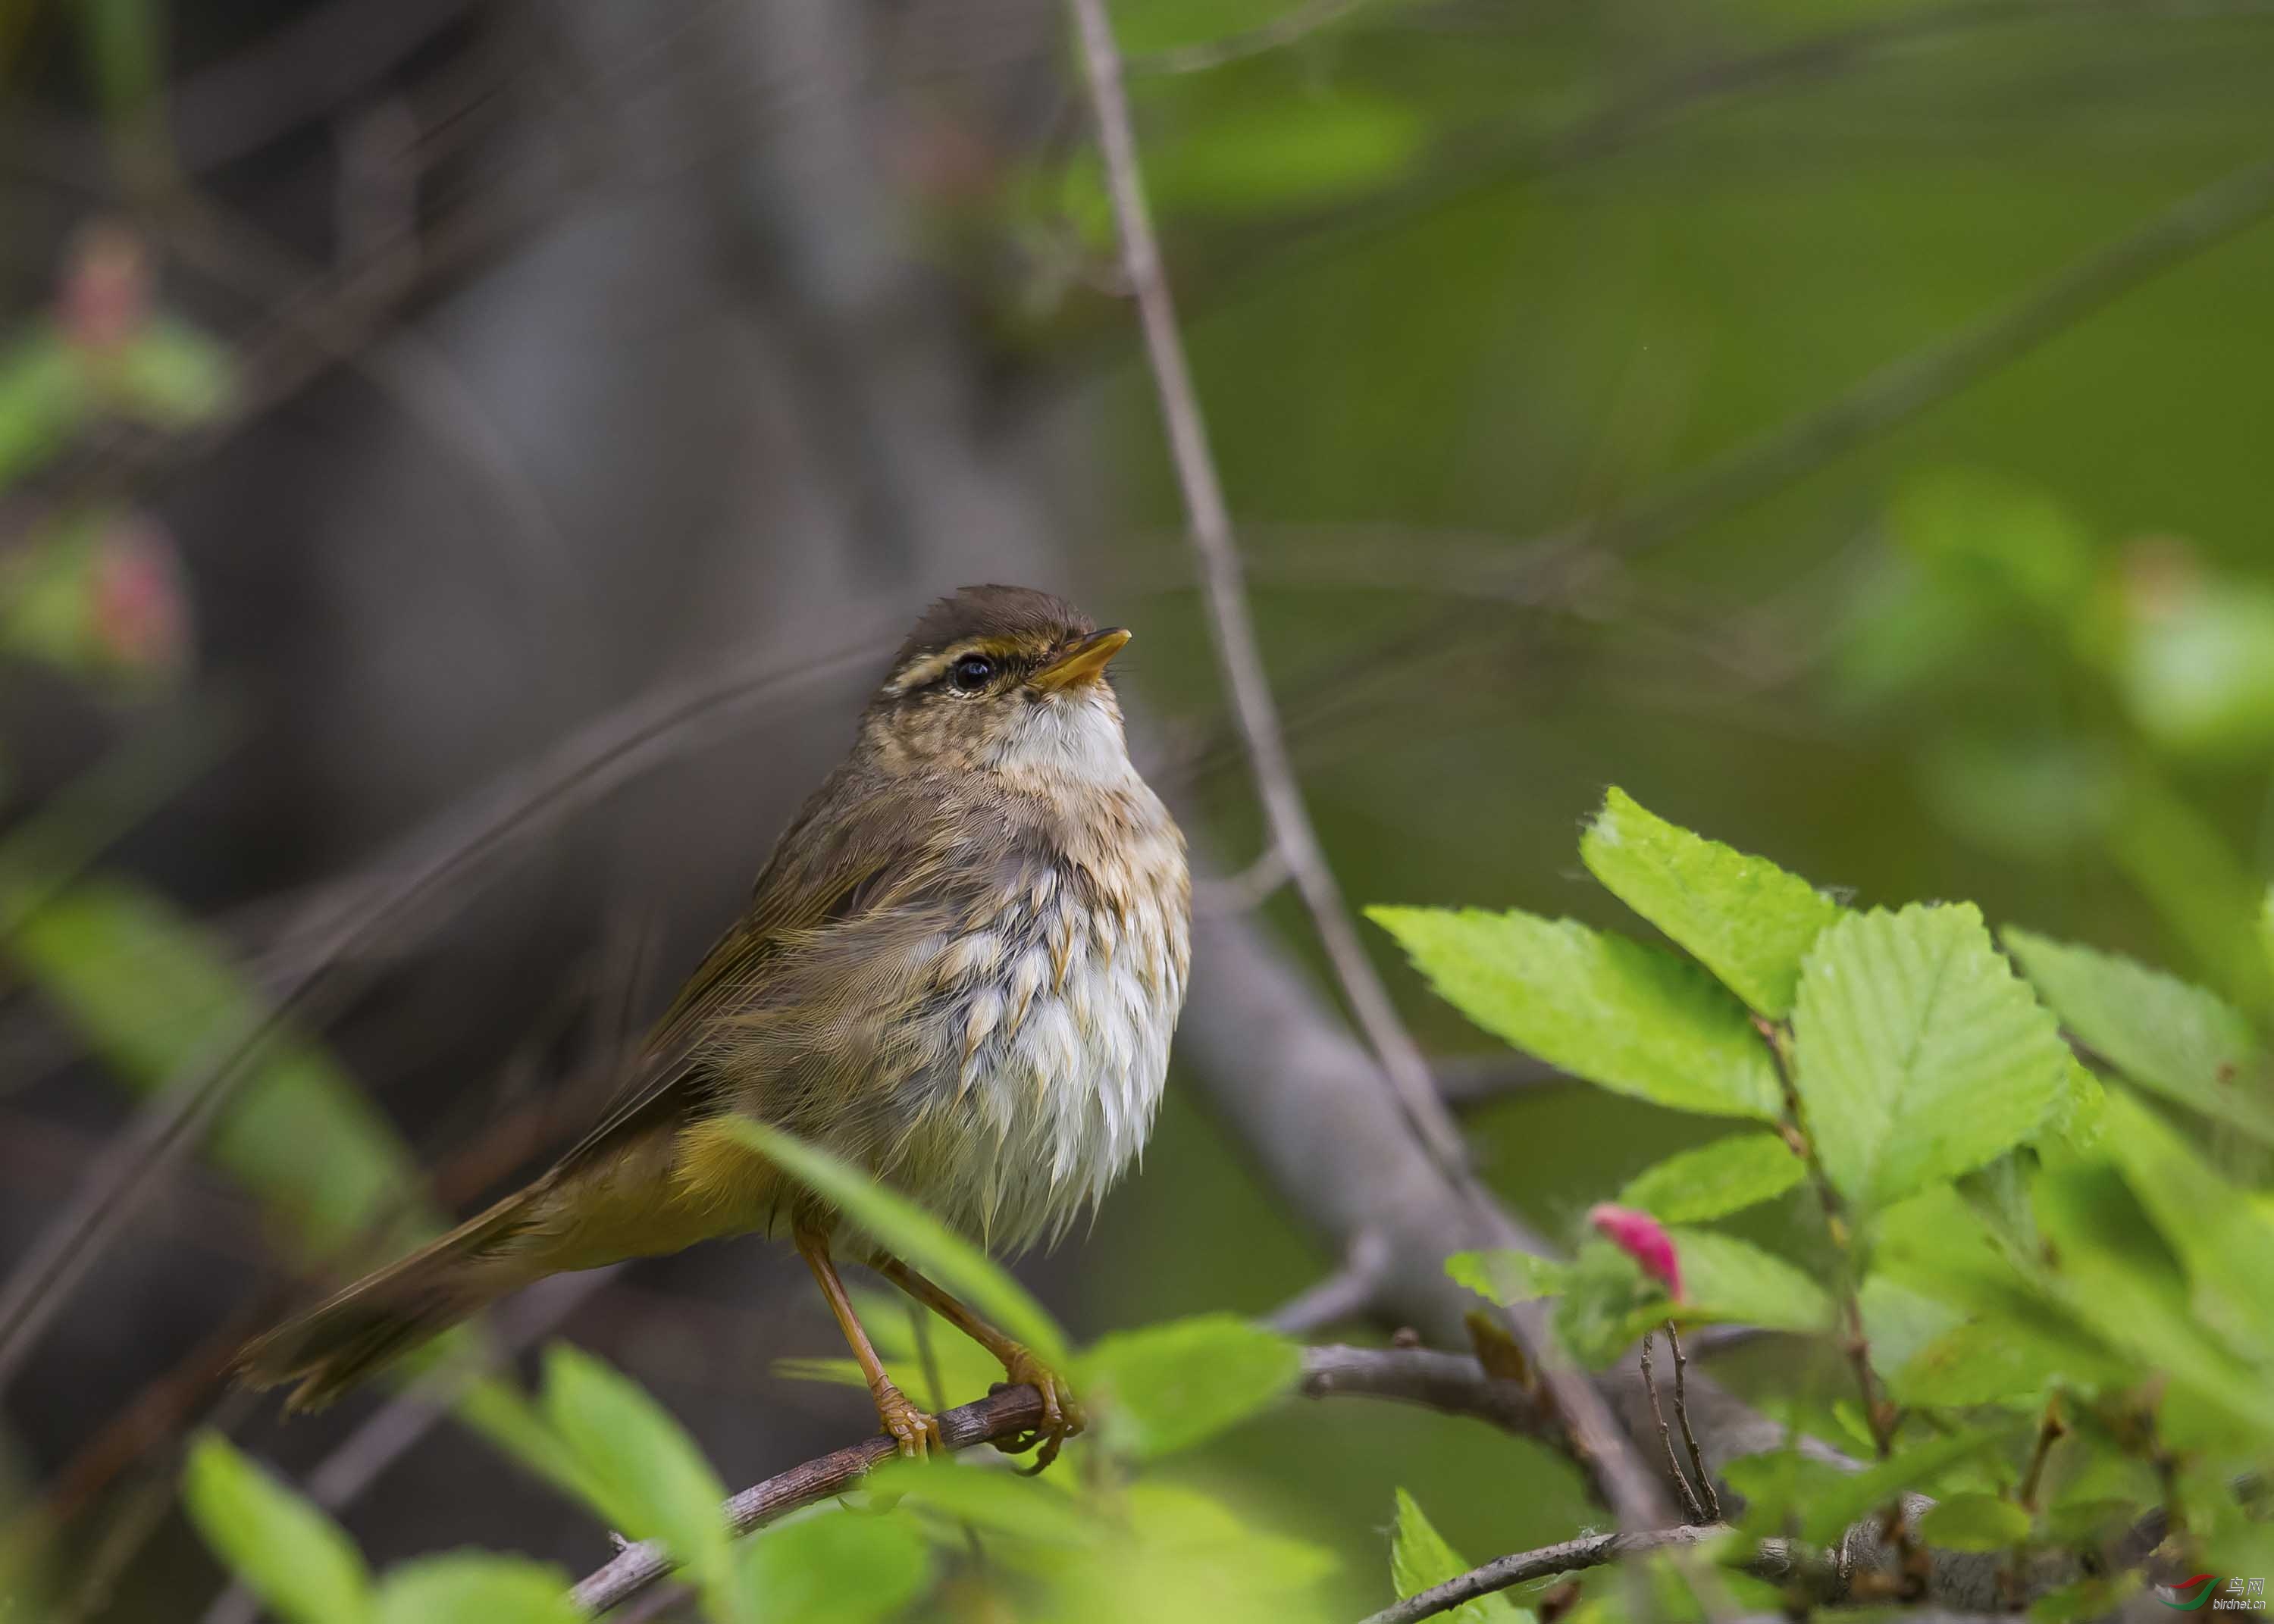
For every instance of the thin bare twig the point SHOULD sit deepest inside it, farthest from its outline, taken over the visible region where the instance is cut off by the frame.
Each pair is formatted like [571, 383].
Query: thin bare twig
[1595, 1442]
[1345, 1294]
[1713, 1496]
[1689, 1500]
[1296, 23]
[1229, 618]
[1573, 1555]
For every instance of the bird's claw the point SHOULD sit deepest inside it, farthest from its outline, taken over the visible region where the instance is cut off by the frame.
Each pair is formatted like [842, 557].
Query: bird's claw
[914, 1434]
[1062, 1416]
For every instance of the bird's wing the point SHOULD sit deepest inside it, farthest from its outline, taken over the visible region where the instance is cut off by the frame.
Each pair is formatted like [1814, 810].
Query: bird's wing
[828, 868]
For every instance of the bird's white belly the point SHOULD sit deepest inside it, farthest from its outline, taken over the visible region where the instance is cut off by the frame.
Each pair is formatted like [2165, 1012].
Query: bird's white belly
[1064, 1047]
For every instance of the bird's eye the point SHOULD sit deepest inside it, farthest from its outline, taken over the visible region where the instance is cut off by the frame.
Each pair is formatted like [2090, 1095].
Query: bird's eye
[970, 674]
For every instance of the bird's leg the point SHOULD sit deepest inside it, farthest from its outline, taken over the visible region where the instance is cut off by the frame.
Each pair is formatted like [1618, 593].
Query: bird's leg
[915, 1432]
[1062, 1417]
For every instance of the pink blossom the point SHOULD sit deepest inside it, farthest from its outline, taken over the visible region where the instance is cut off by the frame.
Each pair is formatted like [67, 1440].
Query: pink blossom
[1643, 1238]
[138, 611]
[105, 296]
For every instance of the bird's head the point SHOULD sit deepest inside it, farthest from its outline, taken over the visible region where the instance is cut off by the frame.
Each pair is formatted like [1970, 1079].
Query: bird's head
[1002, 678]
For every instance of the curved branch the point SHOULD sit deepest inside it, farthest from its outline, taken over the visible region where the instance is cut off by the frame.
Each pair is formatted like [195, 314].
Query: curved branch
[1003, 1414]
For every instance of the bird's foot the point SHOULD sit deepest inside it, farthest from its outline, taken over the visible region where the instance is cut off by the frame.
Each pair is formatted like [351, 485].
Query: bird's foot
[1062, 1416]
[914, 1434]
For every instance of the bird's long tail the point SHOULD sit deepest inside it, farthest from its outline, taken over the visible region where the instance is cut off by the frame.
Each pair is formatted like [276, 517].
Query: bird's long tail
[385, 1314]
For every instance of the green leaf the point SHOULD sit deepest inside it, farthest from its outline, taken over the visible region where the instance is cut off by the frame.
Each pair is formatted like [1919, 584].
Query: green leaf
[172, 376]
[1731, 1281]
[2226, 1244]
[1507, 1277]
[1975, 1522]
[297, 1559]
[1745, 919]
[2198, 674]
[915, 1236]
[1995, 538]
[1633, 1019]
[2087, 1598]
[1725, 1176]
[44, 400]
[988, 1500]
[152, 992]
[2111, 1271]
[1169, 1386]
[1988, 1360]
[652, 1482]
[476, 1587]
[1919, 1054]
[837, 1567]
[1845, 1498]
[1608, 1302]
[2183, 1042]
[1419, 1558]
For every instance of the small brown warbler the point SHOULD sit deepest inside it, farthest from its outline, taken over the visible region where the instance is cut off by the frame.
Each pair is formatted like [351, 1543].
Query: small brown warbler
[959, 970]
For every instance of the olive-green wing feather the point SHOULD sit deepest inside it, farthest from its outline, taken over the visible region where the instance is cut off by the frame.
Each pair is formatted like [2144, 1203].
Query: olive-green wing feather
[825, 869]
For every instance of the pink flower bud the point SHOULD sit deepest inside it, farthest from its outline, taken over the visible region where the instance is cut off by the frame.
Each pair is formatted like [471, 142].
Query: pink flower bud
[1643, 1238]
[105, 296]
[136, 603]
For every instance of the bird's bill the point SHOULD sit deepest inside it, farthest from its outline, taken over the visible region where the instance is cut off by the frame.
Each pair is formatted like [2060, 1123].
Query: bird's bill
[1085, 658]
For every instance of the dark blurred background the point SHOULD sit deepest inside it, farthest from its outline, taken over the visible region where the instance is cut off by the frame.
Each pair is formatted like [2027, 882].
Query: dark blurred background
[1845, 428]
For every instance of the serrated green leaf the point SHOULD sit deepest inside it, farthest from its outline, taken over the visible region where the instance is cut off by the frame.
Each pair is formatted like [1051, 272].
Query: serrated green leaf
[1633, 1019]
[287, 1551]
[1507, 1277]
[2226, 1241]
[1725, 1176]
[1734, 1281]
[915, 1236]
[651, 1481]
[1975, 1522]
[1744, 917]
[1169, 1386]
[477, 1587]
[1419, 1558]
[837, 1567]
[2177, 1040]
[1919, 1054]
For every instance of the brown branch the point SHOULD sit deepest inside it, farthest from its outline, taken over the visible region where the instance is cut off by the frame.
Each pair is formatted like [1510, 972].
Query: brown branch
[1002, 1415]
[1572, 1556]
[1450, 1383]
